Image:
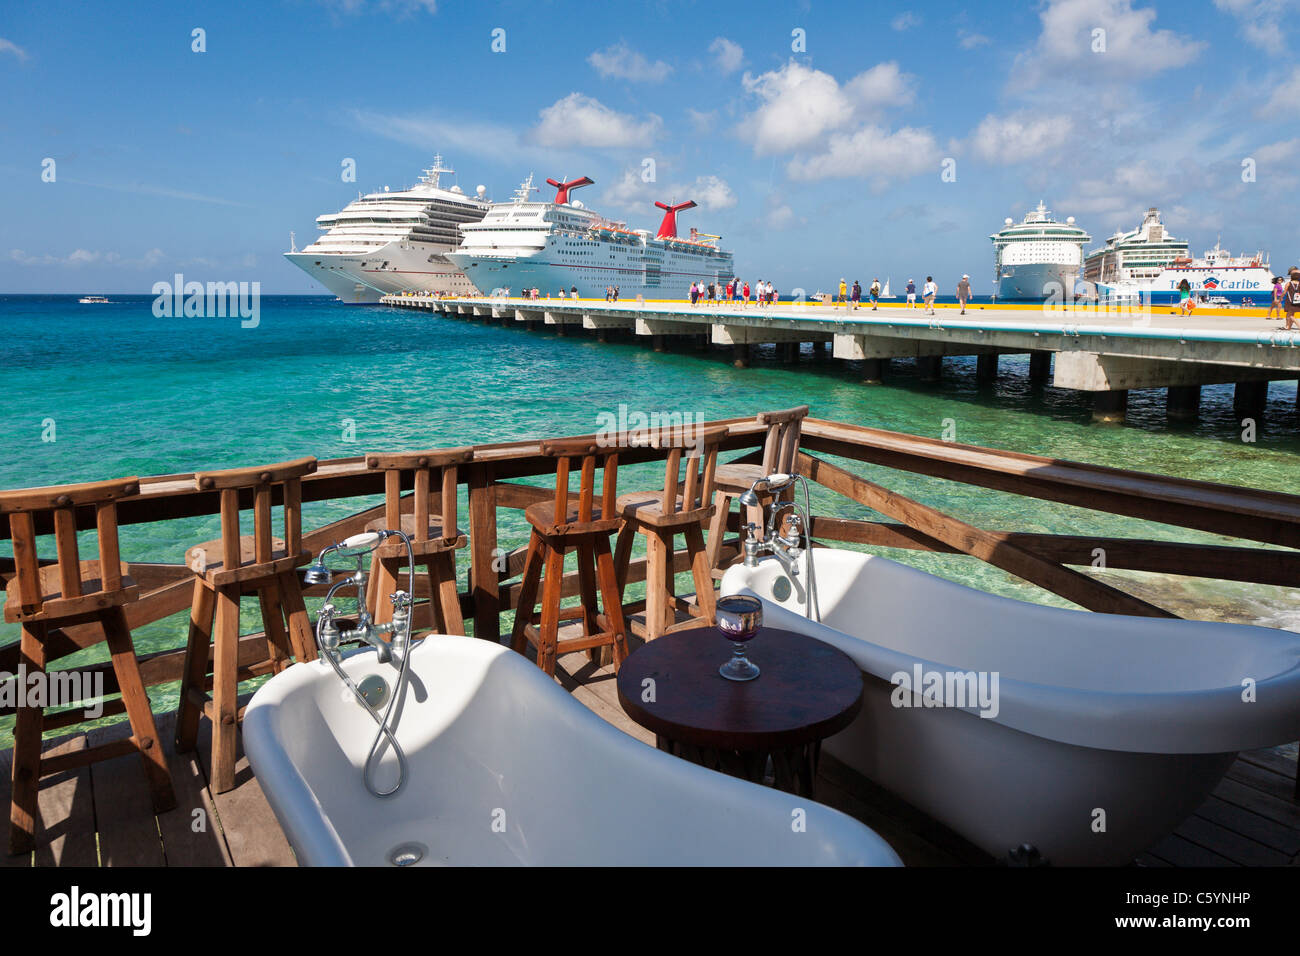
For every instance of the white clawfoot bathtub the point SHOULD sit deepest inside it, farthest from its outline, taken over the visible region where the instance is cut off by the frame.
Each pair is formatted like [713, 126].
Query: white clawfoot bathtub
[1100, 735]
[506, 768]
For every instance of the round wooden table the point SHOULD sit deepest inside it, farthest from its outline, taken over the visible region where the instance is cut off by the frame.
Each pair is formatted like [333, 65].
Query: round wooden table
[807, 691]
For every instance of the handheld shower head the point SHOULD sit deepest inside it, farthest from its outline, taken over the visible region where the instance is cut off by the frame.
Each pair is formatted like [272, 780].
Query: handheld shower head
[749, 499]
[316, 572]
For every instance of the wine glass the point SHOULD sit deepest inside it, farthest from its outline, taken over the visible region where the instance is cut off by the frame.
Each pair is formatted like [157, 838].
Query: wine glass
[739, 618]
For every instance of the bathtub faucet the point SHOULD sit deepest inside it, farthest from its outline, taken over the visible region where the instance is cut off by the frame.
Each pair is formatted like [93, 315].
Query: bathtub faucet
[330, 635]
[786, 544]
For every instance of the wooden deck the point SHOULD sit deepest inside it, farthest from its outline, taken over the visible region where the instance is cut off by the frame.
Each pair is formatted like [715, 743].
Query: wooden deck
[100, 815]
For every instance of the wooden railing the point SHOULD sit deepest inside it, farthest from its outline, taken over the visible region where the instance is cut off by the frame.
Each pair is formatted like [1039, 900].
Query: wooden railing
[492, 482]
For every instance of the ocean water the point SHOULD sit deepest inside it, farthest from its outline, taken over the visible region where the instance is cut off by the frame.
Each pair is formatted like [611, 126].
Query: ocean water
[100, 391]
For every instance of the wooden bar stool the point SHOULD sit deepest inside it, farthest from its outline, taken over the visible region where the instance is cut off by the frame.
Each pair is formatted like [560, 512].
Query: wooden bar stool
[72, 591]
[225, 569]
[680, 508]
[435, 538]
[558, 527]
[780, 451]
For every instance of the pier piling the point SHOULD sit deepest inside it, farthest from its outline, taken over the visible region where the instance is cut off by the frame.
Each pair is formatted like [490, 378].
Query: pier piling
[1040, 366]
[1183, 402]
[1109, 407]
[1249, 398]
[873, 371]
[986, 368]
[929, 368]
[740, 355]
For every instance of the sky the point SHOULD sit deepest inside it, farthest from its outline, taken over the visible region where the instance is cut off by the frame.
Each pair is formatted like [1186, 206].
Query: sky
[820, 139]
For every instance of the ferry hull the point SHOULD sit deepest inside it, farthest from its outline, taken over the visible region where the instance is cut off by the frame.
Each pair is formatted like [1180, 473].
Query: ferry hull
[1036, 282]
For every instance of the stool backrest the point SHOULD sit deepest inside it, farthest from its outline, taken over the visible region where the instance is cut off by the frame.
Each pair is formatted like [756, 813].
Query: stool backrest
[437, 467]
[782, 445]
[61, 502]
[262, 481]
[587, 450]
[699, 447]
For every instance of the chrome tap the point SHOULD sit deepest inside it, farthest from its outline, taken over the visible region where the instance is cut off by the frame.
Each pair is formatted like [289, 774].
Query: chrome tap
[787, 542]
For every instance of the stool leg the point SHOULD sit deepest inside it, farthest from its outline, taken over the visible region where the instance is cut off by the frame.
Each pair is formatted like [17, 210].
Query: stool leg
[623, 555]
[23, 808]
[189, 711]
[447, 592]
[700, 571]
[612, 594]
[277, 640]
[718, 527]
[527, 593]
[301, 638]
[225, 706]
[657, 606]
[136, 700]
[552, 588]
[590, 607]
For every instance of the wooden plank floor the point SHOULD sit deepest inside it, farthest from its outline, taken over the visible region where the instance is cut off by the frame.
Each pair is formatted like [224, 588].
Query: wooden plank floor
[100, 815]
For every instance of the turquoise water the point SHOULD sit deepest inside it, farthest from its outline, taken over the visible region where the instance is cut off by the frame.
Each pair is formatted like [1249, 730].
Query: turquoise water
[128, 393]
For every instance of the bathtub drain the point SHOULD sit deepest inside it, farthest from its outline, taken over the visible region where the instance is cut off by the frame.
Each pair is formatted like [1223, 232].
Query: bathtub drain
[407, 854]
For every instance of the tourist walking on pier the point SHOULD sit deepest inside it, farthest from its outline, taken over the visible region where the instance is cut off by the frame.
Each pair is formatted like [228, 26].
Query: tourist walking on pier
[875, 293]
[928, 292]
[911, 294]
[1276, 304]
[1185, 303]
[1291, 300]
[844, 289]
[856, 294]
[694, 294]
[963, 292]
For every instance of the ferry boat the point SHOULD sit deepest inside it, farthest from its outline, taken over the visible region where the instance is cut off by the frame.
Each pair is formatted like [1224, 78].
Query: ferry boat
[93, 300]
[389, 242]
[560, 245]
[1148, 262]
[1037, 257]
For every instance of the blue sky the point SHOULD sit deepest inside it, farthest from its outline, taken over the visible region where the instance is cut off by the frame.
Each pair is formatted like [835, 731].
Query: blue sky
[812, 162]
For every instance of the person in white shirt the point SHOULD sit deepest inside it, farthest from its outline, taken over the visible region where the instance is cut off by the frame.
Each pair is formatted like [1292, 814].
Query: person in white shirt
[928, 292]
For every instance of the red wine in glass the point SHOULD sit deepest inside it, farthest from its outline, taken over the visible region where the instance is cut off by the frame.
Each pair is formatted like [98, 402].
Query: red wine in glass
[739, 618]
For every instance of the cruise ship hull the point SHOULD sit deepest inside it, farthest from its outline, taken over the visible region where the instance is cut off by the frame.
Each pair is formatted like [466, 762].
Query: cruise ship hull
[388, 270]
[1036, 282]
[489, 273]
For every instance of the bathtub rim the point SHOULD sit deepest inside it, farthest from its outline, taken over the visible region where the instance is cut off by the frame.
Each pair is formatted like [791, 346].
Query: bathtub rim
[1171, 722]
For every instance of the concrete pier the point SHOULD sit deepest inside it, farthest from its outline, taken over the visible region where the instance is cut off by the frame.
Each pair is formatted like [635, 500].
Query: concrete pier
[1106, 353]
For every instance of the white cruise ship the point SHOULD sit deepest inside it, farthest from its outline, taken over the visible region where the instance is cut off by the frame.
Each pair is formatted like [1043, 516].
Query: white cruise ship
[1150, 263]
[1037, 257]
[561, 245]
[387, 242]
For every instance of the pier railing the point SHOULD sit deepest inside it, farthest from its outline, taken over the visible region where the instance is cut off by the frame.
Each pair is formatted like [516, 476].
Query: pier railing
[494, 482]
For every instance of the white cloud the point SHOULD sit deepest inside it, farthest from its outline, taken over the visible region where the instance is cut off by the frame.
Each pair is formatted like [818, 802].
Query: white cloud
[905, 21]
[800, 104]
[702, 120]
[1285, 96]
[1265, 23]
[84, 257]
[1019, 137]
[727, 55]
[622, 63]
[8, 46]
[871, 153]
[710, 192]
[970, 41]
[402, 8]
[631, 192]
[1068, 42]
[578, 120]
[1277, 152]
